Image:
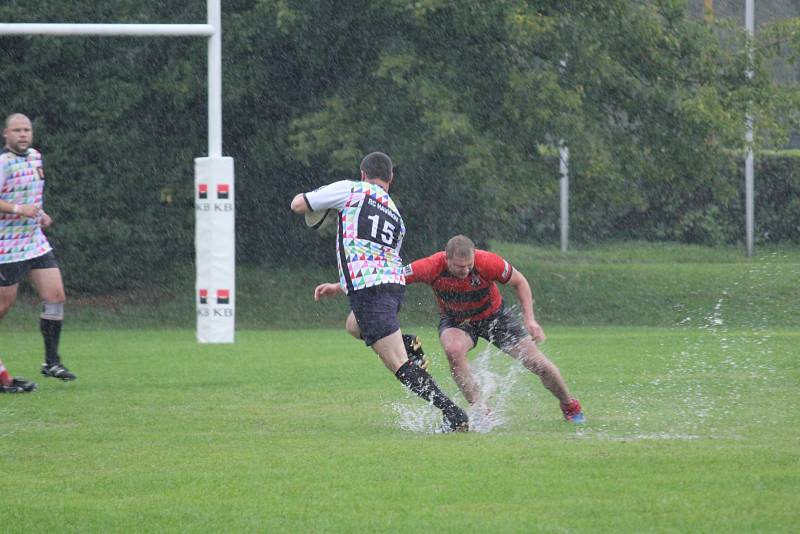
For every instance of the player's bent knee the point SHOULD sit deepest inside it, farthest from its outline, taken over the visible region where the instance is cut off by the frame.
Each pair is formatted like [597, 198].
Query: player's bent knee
[53, 311]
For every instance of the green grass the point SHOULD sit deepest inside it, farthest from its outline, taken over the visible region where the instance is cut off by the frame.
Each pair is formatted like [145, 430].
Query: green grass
[661, 284]
[633, 284]
[690, 399]
[690, 429]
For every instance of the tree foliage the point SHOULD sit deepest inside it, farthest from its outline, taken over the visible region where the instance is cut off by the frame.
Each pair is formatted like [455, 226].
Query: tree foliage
[469, 98]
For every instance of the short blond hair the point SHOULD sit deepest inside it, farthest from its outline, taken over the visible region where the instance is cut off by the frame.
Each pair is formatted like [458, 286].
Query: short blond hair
[459, 246]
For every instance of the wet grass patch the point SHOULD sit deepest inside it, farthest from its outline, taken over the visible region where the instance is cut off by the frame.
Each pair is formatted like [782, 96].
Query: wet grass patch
[689, 428]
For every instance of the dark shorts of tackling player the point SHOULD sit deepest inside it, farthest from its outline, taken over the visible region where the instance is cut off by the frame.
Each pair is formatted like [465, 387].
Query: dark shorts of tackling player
[14, 273]
[376, 309]
[503, 328]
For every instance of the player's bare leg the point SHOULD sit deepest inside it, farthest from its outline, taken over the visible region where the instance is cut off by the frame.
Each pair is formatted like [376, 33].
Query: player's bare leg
[457, 344]
[8, 295]
[48, 284]
[351, 325]
[532, 358]
[391, 351]
[528, 353]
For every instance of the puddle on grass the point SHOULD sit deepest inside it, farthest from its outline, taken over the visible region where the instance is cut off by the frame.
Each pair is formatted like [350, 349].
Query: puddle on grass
[708, 380]
[497, 375]
[708, 375]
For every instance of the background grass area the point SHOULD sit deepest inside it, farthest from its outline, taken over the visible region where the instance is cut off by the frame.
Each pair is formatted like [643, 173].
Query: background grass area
[662, 284]
[690, 405]
[692, 428]
[619, 283]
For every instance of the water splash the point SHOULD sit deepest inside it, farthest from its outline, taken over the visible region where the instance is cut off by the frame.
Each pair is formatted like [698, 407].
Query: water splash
[496, 373]
[708, 378]
[701, 387]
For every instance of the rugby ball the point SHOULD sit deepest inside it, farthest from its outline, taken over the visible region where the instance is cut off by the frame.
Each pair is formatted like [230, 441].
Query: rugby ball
[321, 218]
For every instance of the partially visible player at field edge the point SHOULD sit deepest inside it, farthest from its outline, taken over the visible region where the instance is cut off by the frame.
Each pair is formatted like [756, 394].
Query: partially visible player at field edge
[463, 280]
[24, 249]
[369, 237]
[10, 384]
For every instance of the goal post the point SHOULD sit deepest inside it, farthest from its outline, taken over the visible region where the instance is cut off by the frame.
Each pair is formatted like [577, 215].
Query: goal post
[215, 249]
[115, 30]
[214, 190]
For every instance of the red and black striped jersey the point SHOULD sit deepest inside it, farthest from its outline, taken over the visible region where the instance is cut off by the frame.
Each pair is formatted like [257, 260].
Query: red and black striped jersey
[472, 298]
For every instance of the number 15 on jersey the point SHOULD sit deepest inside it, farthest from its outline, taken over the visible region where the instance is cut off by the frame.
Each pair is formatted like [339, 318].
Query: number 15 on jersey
[378, 225]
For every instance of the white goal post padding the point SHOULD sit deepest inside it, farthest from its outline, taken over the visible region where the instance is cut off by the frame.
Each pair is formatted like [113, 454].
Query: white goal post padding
[216, 249]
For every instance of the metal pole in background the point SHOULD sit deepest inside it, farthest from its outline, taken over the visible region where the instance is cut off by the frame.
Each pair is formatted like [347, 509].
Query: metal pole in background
[748, 164]
[563, 182]
[708, 10]
[563, 167]
[116, 30]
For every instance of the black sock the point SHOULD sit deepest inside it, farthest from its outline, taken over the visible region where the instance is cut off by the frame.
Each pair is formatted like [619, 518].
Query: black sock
[51, 332]
[420, 382]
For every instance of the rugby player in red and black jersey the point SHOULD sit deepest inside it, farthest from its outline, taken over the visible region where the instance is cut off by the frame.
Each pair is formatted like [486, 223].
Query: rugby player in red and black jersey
[464, 281]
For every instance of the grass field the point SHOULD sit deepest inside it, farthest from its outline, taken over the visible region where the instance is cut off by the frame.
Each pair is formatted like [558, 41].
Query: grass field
[690, 429]
[636, 284]
[685, 358]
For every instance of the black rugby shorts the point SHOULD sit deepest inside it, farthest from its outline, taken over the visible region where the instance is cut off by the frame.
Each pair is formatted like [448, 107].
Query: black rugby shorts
[503, 328]
[376, 309]
[14, 273]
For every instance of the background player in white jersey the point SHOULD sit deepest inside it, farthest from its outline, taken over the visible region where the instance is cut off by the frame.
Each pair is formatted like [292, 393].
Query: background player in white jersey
[369, 236]
[24, 249]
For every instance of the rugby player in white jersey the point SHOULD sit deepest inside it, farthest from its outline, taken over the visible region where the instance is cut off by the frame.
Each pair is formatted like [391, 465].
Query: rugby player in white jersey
[24, 249]
[368, 239]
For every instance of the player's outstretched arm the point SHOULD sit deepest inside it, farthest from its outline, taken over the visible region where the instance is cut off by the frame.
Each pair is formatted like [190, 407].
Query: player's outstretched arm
[525, 296]
[327, 290]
